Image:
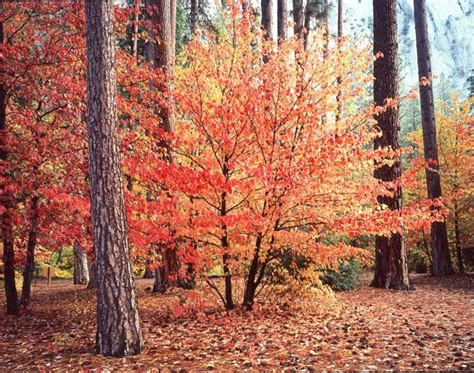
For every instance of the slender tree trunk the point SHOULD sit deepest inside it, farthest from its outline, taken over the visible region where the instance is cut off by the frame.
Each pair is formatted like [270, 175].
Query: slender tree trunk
[193, 16]
[439, 237]
[298, 16]
[267, 18]
[136, 16]
[340, 33]
[11, 294]
[229, 301]
[251, 285]
[118, 325]
[282, 19]
[30, 253]
[81, 265]
[391, 269]
[92, 276]
[457, 235]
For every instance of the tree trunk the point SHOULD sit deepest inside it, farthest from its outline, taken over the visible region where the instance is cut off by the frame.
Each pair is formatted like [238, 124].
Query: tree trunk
[251, 285]
[162, 54]
[439, 238]
[118, 326]
[148, 273]
[11, 294]
[92, 276]
[340, 18]
[81, 266]
[340, 32]
[307, 24]
[457, 235]
[193, 16]
[267, 18]
[282, 19]
[391, 269]
[298, 16]
[30, 253]
[136, 15]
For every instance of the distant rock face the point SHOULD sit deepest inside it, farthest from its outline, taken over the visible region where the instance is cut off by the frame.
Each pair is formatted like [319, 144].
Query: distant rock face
[451, 30]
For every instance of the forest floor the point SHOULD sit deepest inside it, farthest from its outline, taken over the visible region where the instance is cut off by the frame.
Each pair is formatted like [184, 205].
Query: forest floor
[429, 328]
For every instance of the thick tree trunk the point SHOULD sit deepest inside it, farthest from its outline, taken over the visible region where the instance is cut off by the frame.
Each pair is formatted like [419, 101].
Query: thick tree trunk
[457, 237]
[298, 17]
[267, 18]
[391, 269]
[81, 265]
[30, 253]
[118, 326]
[11, 294]
[282, 19]
[439, 238]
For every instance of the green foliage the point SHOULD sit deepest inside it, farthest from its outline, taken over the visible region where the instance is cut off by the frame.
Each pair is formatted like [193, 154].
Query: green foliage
[346, 277]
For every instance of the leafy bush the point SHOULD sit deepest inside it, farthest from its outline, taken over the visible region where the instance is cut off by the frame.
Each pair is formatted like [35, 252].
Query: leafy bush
[346, 277]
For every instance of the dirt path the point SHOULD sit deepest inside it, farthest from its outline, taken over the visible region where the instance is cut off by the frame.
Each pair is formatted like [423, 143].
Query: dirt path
[430, 328]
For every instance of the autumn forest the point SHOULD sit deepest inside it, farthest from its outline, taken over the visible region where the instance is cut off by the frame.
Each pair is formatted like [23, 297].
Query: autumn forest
[230, 185]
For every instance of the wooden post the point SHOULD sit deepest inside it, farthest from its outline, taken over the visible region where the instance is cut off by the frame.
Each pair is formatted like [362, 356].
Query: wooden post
[49, 276]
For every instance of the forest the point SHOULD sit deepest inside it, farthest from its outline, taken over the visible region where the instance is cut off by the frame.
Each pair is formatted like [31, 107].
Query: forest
[231, 185]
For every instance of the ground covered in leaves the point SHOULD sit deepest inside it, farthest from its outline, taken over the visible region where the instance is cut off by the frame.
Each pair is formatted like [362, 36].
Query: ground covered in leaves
[430, 328]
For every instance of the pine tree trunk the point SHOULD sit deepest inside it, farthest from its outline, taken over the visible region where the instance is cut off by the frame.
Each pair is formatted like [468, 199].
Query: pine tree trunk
[267, 18]
[11, 294]
[439, 237]
[282, 19]
[30, 253]
[391, 269]
[118, 326]
[81, 266]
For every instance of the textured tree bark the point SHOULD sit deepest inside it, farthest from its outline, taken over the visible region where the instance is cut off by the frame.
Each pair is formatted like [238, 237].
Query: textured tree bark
[11, 294]
[298, 16]
[267, 18]
[391, 269]
[30, 253]
[282, 19]
[439, 237]
[81, 266]
[118, 326]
